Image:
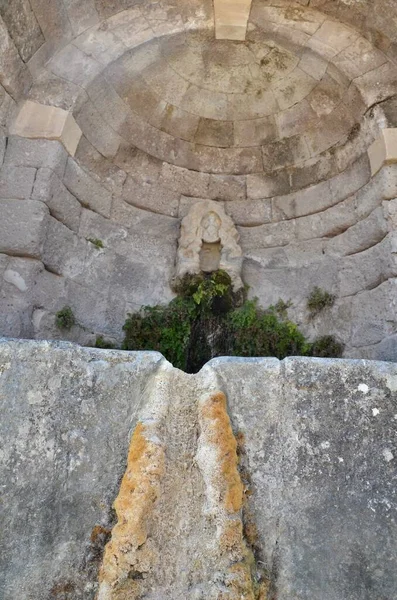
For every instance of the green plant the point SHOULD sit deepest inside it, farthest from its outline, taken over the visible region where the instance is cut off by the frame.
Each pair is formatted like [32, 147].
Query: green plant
[257, 332]
[100, 342]
[318, 301]
[208, 319]
[65, 318]
[281, 307]
[327, 347]
[96, 242]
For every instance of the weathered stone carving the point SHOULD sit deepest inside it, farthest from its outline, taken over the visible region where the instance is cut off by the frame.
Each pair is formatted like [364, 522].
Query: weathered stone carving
[209, 241]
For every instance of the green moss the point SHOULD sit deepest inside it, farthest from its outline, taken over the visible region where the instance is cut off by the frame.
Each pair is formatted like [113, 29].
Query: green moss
[100, 342]
[97, 243]
[65, 318]
[327, 347]
[318, 301]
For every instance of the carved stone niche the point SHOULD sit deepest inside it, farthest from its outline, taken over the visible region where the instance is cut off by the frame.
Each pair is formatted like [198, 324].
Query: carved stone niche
[208, 242]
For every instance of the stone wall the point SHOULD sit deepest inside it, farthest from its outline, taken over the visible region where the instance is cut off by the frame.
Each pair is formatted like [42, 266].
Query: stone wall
[279, 129]
[311, 508]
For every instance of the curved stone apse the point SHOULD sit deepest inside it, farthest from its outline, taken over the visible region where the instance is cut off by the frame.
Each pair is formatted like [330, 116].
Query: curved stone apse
[117, 117]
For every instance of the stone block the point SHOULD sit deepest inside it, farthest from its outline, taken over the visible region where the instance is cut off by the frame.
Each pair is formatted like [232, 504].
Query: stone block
[16, 295]
[296, 120]
[369, 268]
[72, 64]
[215, 133]
[378, 84]
[131, 27]
[7, 108]
[14, 75]
[359, 237]
[63, 205]
[293, 88]
[231, 18]
[64, 253]
[152, 237]
[100, 168]
[227, 187]
[334, 128]
[97, 131]
[81, 15]
[88, 305]
[359, 58]
[383, 150]
[249, 212]
[286, 152]
[226, 161]
[263, 186]
[250, 106]
[266, 236]
[23, 27]
[22, 152]
[179, 123]
[53, 19]
[151, 197]
[255, 132]
[94, 226]
[16, 182]
[87, 190]
[205, 103]
[23, 227]
[313, 65]
[101, 44]
[184, 181]
[142, 283]
[374, 314]
[328, 223]
[50, 122]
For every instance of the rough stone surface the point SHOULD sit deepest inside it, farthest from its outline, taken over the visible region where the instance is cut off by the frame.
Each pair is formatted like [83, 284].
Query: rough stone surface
[23, 227]
[317, 452]
[86, 190]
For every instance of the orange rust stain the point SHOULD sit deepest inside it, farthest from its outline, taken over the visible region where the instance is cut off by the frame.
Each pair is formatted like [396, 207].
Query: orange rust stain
[221, 435]
[138, 492]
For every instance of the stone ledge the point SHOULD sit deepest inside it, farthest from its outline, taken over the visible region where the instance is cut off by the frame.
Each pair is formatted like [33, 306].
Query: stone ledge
[48, 122]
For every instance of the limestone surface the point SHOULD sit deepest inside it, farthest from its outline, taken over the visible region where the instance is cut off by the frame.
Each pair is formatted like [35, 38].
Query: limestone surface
[252, 479]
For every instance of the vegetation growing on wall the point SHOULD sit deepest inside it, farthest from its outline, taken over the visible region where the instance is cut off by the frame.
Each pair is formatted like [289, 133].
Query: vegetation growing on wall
[65, 318]
[318, 301]
[207, 319]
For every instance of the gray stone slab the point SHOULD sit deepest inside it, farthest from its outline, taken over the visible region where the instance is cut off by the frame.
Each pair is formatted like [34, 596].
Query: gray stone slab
[64, 252]
[52, 18]
[23, 227]
[81, 15]
[320, 448]
[22, 152]
[16, 182]
[63, 205]
[317, 444]
[14, 75]
[22, 26]
[87, 190]
[62, 422]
